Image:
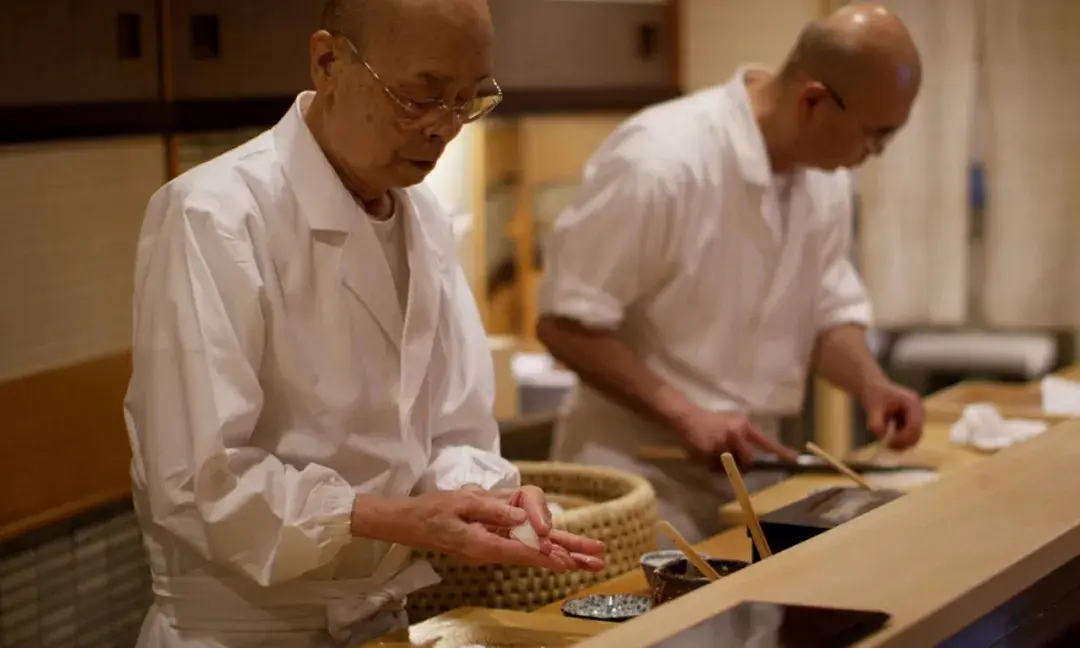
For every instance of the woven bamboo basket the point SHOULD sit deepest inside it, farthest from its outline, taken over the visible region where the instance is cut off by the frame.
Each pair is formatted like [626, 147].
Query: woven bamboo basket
[616, 507]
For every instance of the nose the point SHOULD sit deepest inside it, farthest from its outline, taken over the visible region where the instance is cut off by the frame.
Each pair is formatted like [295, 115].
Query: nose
[445, 128]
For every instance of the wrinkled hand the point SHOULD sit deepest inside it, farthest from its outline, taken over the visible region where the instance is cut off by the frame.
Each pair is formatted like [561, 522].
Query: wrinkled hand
[472, 526]
[573, 551]
[887, 402]
[711, 434]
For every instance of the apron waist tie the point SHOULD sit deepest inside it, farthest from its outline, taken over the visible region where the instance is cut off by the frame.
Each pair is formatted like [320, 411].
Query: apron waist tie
[215, 605]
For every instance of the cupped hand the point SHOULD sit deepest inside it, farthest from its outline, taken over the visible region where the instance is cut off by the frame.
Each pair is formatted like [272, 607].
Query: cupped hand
[473, 527]
[886, 402]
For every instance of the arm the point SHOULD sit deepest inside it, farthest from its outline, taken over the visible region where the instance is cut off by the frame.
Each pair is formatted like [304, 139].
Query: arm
[194, 401]
[841, 354]
[605, 252]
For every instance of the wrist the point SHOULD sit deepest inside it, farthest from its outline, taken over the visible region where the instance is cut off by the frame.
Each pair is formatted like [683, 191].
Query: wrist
[873, 381]
[377, 518]
[675, 409]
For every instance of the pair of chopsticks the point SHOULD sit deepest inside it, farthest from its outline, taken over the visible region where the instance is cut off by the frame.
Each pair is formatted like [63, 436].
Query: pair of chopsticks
[752, 522]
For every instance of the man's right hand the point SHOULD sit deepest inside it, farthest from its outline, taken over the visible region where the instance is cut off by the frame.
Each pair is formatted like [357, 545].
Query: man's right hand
[456, 523]
[711, 434]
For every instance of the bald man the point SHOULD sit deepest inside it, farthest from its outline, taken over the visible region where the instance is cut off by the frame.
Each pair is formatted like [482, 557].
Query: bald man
[702, 271]
[312, 389]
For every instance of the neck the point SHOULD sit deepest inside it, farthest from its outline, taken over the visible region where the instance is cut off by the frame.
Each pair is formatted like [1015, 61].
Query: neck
[369, 194]
[764, 93]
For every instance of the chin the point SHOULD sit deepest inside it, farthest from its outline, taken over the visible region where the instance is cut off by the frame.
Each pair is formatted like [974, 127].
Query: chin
[408, 174]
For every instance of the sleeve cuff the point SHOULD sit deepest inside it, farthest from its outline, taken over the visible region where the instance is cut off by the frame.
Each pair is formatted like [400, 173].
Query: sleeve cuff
[330, 521]
[588, 313]
[457, 466]
[853, 314]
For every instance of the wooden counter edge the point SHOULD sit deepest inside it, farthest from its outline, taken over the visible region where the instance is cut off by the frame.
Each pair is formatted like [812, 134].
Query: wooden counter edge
[943, 585]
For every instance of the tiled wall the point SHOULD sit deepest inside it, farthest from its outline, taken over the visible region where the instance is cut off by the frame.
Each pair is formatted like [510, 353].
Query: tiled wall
[81, 583]
[70, 219]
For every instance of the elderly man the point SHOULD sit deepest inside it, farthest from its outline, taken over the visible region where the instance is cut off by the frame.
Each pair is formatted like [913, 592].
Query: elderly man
[312, 390]
[703, 269]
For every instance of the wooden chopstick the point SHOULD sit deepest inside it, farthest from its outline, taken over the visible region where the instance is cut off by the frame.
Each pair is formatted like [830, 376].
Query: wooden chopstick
[743, 496]
[694, 557]
[840, 466]
[883, 444]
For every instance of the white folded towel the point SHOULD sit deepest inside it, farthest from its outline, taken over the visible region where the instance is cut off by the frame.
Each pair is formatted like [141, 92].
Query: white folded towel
[1060, 396]
[982, 426]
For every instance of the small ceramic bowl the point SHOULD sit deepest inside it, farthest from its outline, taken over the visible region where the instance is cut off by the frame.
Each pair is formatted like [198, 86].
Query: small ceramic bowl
[654, 560]
[672, 581]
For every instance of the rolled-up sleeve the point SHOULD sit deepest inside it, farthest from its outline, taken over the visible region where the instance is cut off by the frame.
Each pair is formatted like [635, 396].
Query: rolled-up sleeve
[465, 445]
[608, 248]
[195, 398]
[842, 298]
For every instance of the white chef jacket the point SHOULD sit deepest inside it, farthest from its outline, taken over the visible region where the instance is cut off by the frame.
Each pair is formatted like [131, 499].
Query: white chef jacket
[718, 274]
[275, 376]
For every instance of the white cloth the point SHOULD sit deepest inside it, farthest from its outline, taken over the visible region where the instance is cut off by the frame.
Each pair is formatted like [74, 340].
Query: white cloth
[275, 377]
[391, 235]
[982, 427]
[1060, 397]
[677, 242]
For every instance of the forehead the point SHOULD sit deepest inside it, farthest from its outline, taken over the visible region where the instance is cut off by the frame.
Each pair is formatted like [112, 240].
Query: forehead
[437, 47]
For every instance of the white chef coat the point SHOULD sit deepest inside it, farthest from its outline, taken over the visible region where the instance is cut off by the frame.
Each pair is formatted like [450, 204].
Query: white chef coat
[717, 273]
[275, 376]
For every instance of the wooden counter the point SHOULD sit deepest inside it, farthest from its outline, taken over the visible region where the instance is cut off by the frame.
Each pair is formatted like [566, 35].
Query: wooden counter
[936, 560]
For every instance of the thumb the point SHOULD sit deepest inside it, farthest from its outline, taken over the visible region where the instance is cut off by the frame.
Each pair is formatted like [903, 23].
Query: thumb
[875, 421]
[492, 512]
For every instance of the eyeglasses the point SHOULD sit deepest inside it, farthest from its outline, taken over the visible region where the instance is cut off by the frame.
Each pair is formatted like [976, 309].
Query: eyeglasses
[877, 138]
[419, 114]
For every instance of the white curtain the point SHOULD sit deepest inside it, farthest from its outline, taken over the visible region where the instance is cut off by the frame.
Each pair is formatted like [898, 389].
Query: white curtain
[1032, 146]
[914, 222]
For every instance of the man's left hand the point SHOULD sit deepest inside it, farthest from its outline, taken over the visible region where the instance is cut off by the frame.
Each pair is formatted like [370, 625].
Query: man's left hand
[573, 551]
[886, 402]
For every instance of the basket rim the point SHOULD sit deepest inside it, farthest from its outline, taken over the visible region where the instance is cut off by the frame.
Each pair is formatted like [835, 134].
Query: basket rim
[640, 487]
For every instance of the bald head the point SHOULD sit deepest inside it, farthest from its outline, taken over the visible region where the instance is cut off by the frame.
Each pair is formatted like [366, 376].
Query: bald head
[374, 23]
[861, 48]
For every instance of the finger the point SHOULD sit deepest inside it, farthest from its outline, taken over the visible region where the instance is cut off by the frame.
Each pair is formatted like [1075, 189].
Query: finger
[492, 549]
[490, 512]
[589, 563]
[535, 504]
[576, 544]
[876, 421]
[742, 448]
[909, 427]
[758, 439]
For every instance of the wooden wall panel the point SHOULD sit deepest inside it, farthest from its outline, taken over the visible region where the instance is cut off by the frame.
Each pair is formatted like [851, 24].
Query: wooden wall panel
[64, 448]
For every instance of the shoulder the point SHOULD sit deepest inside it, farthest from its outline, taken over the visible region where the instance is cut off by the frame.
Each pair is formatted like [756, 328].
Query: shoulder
[668, 147]
[224, 192]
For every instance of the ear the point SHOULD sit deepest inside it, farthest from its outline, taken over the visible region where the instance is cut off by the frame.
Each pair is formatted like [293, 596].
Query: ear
[812, 97]
[322, 58]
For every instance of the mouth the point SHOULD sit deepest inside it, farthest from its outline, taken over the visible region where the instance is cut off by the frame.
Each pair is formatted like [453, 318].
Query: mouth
[423, 165]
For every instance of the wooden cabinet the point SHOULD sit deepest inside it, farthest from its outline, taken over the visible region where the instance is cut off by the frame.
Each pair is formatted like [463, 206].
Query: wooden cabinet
[555, 44]
[241, 49]
[77, 51]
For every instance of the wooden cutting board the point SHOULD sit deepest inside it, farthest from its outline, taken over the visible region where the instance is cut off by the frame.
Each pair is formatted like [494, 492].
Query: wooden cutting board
[492, 629]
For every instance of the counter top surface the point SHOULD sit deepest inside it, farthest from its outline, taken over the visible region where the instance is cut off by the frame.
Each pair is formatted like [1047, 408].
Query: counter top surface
[960, 555]
[940, 530]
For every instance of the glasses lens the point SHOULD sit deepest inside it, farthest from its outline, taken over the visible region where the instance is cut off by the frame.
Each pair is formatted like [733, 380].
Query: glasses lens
[479, 107]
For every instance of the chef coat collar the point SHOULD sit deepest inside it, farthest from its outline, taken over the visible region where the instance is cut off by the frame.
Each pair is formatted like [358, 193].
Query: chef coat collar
[748, 143]
[323, 198]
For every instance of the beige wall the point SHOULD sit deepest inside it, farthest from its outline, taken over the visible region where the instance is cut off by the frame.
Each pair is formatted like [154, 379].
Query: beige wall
[720, 35]
[71, 216]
